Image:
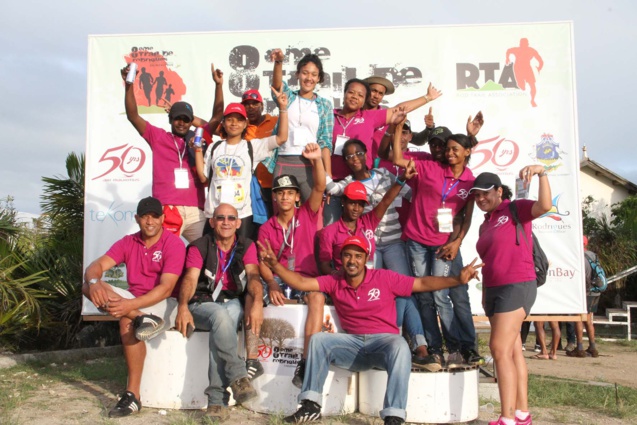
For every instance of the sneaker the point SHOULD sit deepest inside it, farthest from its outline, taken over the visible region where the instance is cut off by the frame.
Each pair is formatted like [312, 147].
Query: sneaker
[592, 352]
[308, 412]
[523, 347]
[433, 362]
[242, 390]
[393, 420]
[127, 405]
[472, 357]
[576, 353]
[147, 326]
[537, 348]
[455, 360]
[217, 413]
[299, 374]
[498, 422]
[418, 362]
[570, 346]
[254, 368]
[527, 421]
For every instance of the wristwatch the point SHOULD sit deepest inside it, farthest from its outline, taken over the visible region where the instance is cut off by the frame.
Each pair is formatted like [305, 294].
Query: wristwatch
[93, 281]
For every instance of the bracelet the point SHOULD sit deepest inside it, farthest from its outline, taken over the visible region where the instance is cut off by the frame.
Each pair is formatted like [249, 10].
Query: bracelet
[278, 61]
[400, 182]
[427, 99]
[282, 111]
[542, 174]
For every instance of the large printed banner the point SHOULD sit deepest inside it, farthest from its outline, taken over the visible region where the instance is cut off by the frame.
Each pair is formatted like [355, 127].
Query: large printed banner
[520, 76]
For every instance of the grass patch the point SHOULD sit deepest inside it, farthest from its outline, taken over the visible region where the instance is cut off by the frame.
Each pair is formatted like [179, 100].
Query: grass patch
[619, 402]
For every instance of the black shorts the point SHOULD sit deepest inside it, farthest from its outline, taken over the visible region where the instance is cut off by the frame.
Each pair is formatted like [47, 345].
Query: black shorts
[505, 298]
[592, 303]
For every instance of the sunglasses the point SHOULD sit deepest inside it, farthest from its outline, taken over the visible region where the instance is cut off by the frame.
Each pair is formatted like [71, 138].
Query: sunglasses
[182, 118]
[355, 154]
[221, 218]
[248, 96]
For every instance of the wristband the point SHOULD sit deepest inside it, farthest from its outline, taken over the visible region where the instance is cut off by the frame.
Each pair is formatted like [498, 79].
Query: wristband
[282, 111]
[278, 61]
[427, 99]
[400, 182]
[542, 174]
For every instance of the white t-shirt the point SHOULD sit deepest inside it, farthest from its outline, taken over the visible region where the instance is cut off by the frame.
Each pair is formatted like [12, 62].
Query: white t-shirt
[303, 123]
[229, 171]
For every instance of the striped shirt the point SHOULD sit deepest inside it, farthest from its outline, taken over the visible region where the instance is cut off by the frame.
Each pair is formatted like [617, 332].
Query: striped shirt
[389, 230]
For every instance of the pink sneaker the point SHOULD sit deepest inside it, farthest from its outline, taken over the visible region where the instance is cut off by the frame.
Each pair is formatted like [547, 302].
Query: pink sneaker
[498, 422]
[526, 421]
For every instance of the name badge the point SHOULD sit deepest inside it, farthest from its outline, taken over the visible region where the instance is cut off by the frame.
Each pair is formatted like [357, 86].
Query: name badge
[445, 220]
[291, 263]
[226, 192]
[300, 137]
[181, 178]
[340, 141]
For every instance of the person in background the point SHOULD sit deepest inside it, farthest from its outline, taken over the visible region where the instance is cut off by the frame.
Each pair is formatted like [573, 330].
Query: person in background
[541, 337]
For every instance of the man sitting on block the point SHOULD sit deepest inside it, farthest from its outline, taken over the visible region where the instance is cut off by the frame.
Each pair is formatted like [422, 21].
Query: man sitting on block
[154, 261]
[365, 301]
[221, 270]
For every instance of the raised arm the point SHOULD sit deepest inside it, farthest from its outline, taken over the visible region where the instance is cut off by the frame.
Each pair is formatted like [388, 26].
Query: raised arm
[435, 283]
[277, 75]
[313, 153]
[410, 105]
[384, 151]
[421, 138]
[130, 105]
[398, 159]
[293, 279]
[217, 107]
[199, 165]
[394, 190]
[544, 200]
[282, 101]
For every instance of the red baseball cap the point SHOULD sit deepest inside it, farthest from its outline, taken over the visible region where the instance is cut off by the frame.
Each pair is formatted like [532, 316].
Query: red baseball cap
[235, 108]
[252, 95]
[356, 241]
[356, 192]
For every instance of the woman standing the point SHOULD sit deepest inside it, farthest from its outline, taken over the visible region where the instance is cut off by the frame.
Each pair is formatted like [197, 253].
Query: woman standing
[310, 120]
[509, 286]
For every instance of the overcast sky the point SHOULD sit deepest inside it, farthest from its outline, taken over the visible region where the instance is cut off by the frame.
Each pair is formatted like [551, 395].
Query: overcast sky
[44, 53]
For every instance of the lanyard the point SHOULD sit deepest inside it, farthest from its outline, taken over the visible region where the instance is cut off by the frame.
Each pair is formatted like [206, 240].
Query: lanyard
[345, 126]
[220, 256]
[180, 154]
[290, 230]
[445, 194]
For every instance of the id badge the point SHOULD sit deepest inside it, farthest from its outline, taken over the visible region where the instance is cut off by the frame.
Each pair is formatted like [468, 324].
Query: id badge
[445, 220]
[340, 142]
[301, 136]
[181, 178]
[226, 192]
[291, 263]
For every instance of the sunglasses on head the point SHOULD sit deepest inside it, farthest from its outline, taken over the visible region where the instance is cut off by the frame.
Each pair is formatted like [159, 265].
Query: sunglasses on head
[248, 96]
[353, 155]
[221, 218]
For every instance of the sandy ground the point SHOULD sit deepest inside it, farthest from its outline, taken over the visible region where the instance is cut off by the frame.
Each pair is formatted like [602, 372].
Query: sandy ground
[82, 402]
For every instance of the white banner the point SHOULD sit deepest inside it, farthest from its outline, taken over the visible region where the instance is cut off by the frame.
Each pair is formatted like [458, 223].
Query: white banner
[468, 63]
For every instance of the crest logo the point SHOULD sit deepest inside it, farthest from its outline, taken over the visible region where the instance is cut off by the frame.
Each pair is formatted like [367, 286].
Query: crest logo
[157, 256]
[374, 294]
[547, 152]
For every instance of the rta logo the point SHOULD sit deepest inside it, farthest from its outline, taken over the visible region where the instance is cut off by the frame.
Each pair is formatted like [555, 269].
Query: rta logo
[521, 64]
[127, 159]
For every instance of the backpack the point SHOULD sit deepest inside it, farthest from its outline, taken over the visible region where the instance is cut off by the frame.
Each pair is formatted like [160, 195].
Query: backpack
[259, 209]
[599, 283]
[540, 260]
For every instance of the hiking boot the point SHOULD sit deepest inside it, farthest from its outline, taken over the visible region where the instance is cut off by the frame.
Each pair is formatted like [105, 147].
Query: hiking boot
[592, 352]
[254, 368]
[526, 421]
[433, 362]
[472, 357]
[147, 326]
[217, 413]
[393, 420]
[242, 390]
[455, 360]
[308, 412]
[570, 346]
[299, 374]
[127, 405]
[576, 353]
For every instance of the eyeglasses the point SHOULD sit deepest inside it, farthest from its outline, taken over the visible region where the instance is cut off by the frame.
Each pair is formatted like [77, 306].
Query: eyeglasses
[355, 154]
[253, 96]
[221, 218]
[183, 118]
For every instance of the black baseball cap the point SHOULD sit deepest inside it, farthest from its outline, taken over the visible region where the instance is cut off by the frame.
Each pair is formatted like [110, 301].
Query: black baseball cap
[149, 205]
[181, 109]
[440, 133]
[285, 181]
[486, 181]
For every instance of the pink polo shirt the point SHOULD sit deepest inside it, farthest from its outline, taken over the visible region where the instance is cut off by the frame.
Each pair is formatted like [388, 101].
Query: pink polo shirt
[504, 261]
[167, 151]
[301, 238]
[371, 307]
[145, 266]
[333, 236]
[361, 126]
[194, 259]
[432, 182]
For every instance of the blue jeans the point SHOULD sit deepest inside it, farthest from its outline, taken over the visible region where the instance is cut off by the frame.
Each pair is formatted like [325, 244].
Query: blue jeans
[332, 211]
[358, 353]
[465, 329]
[424, 263]
[394, 257]
[225, 366]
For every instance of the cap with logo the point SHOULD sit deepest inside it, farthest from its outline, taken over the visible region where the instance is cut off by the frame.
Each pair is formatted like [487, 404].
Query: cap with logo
[389, 87]
[149, 205]
[440, 133]
[486, 181]
[181, 109]
[355, 191]
[252, 95]
[235, 108]
[285, 181]
[356, 241]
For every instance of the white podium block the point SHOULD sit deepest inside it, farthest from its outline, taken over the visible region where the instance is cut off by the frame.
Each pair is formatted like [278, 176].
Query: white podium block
[281, 348]
[441, 397]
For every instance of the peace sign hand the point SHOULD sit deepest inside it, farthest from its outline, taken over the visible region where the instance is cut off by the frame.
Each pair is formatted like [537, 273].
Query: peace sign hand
[281, 98]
